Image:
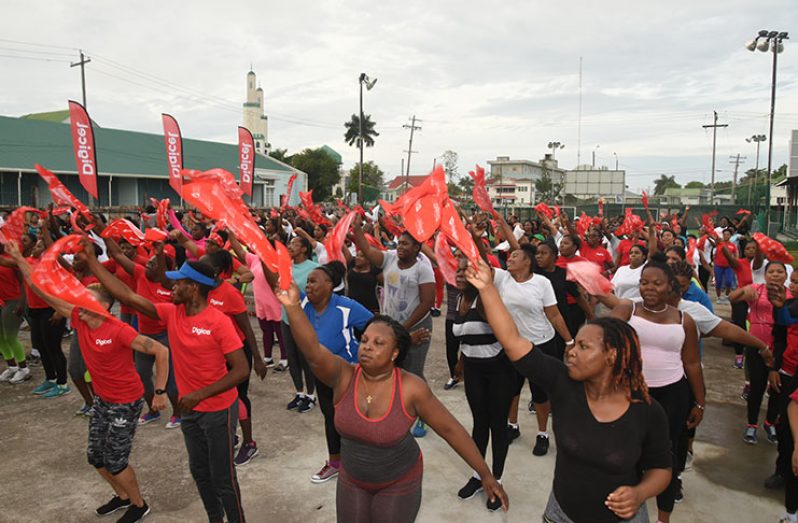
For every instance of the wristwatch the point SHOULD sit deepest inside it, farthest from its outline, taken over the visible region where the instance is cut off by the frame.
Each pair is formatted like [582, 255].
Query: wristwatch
[160, 391]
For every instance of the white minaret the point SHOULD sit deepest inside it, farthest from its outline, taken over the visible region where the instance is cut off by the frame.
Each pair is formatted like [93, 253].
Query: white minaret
[255, 118]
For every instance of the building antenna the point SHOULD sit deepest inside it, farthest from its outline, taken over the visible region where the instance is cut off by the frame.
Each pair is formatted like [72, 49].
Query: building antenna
[579, 122]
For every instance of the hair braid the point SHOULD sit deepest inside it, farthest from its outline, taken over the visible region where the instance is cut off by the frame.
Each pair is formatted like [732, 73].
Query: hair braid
[628, 369]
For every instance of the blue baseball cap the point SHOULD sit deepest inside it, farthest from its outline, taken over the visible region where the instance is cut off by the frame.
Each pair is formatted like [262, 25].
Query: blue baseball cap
[187, 272]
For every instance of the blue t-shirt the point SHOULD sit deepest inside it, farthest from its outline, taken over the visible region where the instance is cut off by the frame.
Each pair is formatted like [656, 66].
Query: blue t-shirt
[335, 326]
[695, 293]
[300, 272]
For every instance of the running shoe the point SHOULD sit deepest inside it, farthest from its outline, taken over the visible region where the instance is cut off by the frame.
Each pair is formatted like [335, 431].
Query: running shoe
[43, 387]
[246, 453]
[85, 410]
[306, 405]
[494, 505]
[236, 441]
[8, 374]
[149, 417]
[269, 362]
[23, 374]
[513, 432]
[57, 391]
[327, 472]
[173, 423]
[679, 497]
[770, 431]
[738, 362]
[435, 312]
[531, 407]
[34, 361]
[749, 436]
[688, 463]
[774, 482]
[419, 430]
[541, 445]
[281, 367]
[788, 518]
[452, 383]
[470, 489]
[112, 506]
[133, 514]
[746, 390]
[294, 403]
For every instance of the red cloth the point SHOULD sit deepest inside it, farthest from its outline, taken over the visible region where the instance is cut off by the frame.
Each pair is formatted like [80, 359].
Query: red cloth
[198, 344]
[9, 282]
[229, 300]
[109, 359]
[154, 292]
[34, 300]
[789, 360]
[599, 255]
[743, 273]
[563, 262]
[720, 258]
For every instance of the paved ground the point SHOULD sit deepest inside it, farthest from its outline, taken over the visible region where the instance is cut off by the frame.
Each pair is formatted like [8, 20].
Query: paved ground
[47, 477]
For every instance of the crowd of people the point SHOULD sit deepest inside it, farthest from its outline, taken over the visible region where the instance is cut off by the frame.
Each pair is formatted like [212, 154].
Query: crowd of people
[616, 373]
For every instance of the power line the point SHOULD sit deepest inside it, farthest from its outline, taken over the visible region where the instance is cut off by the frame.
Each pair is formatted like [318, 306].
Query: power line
[37, 44]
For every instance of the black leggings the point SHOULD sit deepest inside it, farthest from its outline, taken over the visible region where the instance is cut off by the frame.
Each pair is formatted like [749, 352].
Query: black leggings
[675, 400]
[328, 409]
[575, 318]
[739, 310]
[297, 364]
[786, 444]
[452, 347]
[243, 387]
[489, 388]
[758, 374]
[703, 277]
[46, 336]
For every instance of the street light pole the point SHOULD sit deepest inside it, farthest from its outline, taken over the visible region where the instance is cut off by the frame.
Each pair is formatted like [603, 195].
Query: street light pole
[594, 156]
[758, 138]
[364, 79]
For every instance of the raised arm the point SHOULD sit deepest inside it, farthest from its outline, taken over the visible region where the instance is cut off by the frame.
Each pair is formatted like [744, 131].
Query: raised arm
[187, 243]
[61, 307]
[373, 254]
[118, 256]
[238, 249]
[508, 235]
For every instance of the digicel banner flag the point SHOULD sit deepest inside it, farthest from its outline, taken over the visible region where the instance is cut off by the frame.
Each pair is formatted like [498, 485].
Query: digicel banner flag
[83, 145]
[174, 151]
[246, 160]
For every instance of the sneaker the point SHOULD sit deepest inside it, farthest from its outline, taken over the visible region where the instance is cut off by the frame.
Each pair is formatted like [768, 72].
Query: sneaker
[112, 506]
[148, 418]
[173, 423]
[43, 387]
[749, 436]
[8, 374]
[435, 312]
[531, 407]
[306, 405]
[770, 431]
[452, 383]
[327, 472]
[513, 432]
[788, 518]
[281, 367]
[746, 390]
[57, 391]
[83, 411]
[679, 496]
[236, 441]
[738, 362]
[134, 514]
[246, 454]
[269, 362]
[470, 489]
[688, 463]
[294, 403]
[774, 482]
[23, 374]
[494, 505]
[541, 445]
[419, 430]
[34, 361]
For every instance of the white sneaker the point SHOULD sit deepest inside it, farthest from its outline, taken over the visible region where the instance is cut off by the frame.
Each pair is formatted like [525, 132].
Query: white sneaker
[23, 374]
[8, 374]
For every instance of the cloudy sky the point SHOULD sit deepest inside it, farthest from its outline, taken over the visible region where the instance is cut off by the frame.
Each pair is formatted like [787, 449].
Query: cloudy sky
[487, 79]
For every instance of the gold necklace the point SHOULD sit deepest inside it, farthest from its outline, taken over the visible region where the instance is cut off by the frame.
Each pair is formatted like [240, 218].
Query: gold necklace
[369, 397]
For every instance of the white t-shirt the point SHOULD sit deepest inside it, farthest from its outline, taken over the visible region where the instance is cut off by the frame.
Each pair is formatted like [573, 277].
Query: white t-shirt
[400, 296]
[627, 281]
[525, 301]
[321, 253]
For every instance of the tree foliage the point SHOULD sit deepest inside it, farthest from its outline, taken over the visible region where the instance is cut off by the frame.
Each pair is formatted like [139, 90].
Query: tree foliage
[322, 171]
[548, 190]
[694, 185]
[372, 178]
[665, 182]
[280, 155]
[352, 134]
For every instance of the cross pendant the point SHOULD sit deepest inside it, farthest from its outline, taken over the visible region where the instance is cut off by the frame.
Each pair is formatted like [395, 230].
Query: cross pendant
[368, 399]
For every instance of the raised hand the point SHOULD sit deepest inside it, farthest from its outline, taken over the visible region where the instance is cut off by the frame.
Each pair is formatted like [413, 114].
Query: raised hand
[479, 276]
[290, 297]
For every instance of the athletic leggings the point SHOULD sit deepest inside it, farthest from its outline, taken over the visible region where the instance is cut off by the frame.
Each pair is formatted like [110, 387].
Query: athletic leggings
[46, 336]
[703, 277]
[739, 310]
[325, 394]
[397, 501]
[490, 388]
[575, 318]
[75, 363]
[675, 400]
[786, 444]
[10, 346]
[145, 363]
[243, 388]
[271, 329]
[417, 354]
[452, 347]
[297, 364]
[758, 374]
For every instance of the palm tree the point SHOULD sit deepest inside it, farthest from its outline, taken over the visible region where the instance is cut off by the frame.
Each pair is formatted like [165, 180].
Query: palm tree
[352, 135]
[663, 183]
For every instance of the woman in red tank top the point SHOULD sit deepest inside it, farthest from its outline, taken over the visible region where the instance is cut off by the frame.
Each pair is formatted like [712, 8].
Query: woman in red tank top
[376, 404]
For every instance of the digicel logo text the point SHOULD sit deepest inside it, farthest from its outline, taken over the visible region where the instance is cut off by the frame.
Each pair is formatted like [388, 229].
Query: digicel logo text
[217, 303]
[84, 153]
[200, 331]
[173, 154]
[102, 342]
[162, 292]
[246, 162]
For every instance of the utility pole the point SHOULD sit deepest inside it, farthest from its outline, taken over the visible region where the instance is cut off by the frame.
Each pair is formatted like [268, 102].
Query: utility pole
[83, 61]
[413, 127]
[736, 161]
[714, 127]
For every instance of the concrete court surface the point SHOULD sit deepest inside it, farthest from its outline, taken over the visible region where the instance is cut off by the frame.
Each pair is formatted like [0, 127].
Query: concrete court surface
[48, 479]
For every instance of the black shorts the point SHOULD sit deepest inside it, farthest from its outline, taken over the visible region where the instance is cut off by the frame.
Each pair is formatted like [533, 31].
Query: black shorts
[111, 431]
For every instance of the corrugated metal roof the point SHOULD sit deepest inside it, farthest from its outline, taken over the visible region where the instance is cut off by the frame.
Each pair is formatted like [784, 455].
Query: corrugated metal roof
[24, 142]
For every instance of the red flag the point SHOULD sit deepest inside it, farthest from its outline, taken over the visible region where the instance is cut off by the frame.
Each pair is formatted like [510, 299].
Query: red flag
[83, 146]
[588, 275]
[583, 224]
[335, 241]
[374, 242]
[447, 263]
[209, 197]
[387, 208]
[645, 200]
[60, 194]
[174, 150]
[284, 266]
[14, 226]
[544, 209]
[709, 227]
[226, 181]
[480, 192]
[743, 211]
[124, 229]
[772, 249]
[54, 280]
[631, 223]
[246, 160]
[456, 232]
[287, 196]
[691, 245]
[154, 234]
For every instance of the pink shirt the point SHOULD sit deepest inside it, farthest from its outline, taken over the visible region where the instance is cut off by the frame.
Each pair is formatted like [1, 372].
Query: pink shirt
[760, 314]
[267, 307]
[661, 349]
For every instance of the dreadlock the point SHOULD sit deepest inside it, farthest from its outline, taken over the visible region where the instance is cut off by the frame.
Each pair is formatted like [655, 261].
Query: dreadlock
[628, 369]
[682, 268]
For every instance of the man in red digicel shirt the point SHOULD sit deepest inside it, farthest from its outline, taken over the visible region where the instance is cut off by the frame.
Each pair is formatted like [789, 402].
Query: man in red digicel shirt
[106, 344]
[592, 250]
[203, 343]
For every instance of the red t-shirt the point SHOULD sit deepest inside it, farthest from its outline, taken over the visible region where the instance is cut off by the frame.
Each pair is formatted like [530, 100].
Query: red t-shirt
[229, 300]
[789, 360]
[156, 293]
[108, 356]
[126, 278]
[199, 344]
[9, 282]
[563, 262]
[743, 273]
[624, 247]
[599, 255]
[88, 280]
[34, 300]
[720, 258]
